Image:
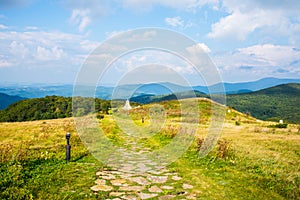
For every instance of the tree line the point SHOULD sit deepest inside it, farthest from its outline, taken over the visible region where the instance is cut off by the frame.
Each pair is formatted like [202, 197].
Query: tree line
[52, 107]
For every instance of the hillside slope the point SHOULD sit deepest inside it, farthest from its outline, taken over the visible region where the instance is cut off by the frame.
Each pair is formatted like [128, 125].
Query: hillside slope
[275, 103]
[6, 100]
[249, 161]
[148, 98]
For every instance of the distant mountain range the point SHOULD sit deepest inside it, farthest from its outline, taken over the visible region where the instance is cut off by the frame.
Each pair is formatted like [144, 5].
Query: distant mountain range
[104, 92]
[274, 103]
[6, 100]
[245, 87]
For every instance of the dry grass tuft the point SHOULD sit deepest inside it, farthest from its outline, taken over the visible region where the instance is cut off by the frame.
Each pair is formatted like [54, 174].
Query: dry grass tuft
[223, 148]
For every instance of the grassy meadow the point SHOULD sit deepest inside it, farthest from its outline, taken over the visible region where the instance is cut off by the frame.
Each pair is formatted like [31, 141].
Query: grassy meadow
[251, 160]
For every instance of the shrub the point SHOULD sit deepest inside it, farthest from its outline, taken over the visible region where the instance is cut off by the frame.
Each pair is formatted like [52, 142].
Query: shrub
[238, 123]
[284, 125]
[100, 116]
[223, 148]
[257, 129]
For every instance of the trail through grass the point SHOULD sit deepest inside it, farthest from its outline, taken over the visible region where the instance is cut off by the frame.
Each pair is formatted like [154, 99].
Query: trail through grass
[250, 161]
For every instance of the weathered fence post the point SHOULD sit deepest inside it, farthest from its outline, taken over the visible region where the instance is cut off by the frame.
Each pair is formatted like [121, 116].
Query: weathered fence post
[68, 147]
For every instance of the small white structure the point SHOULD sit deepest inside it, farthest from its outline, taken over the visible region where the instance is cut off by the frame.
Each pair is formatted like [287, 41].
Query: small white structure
[281, 121]
[127, 105]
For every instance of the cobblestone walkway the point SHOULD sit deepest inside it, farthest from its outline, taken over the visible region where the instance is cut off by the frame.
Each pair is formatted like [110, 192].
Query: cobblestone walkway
[140, 178]
[142, 181]
[133, 174]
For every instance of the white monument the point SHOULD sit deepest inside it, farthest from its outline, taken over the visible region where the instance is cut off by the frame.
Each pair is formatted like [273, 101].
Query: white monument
[127, 105]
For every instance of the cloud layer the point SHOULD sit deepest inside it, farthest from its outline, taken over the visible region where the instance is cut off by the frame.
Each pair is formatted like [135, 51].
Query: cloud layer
[262, 38]
[38, 48]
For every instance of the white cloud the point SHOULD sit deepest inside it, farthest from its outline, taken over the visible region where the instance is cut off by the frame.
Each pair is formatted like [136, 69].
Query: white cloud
[4, 62]
[188, 5]
[142, 36]
[250, 15]
[238, 25]
[81, 17]
[3, 26]
[153, 57]
[113, 33]
[259, 61]
[18, 49]
[146, 66]
[175, 21]
[155, 74]
[84, 12]
[271, 55]
[40, 48]
[31, 28]
[199, 48]
[45, 54]
[88, 45]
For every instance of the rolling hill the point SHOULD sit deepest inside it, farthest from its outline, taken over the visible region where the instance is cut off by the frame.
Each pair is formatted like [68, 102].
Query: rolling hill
[275, 103]
[148, 98]
[249, 161]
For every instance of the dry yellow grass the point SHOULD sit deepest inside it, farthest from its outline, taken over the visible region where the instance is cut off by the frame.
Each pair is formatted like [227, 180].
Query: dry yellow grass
[38, 131]
[262, 153]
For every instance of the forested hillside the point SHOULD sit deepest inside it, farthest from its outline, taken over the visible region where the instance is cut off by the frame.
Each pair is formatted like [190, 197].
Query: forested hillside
[50, 107]
[275, 103]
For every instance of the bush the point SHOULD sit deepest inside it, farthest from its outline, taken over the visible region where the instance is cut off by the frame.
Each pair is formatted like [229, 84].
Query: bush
[284, 125]
[237, 123]
[100, 116]
[223, 148]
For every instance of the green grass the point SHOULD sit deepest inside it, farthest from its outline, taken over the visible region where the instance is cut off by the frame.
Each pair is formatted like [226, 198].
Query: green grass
[33, 166]
[250, 161]
[235, 177]
[48, 179]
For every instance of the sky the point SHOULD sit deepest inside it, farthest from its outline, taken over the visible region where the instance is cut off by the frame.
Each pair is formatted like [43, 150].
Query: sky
[48, 41]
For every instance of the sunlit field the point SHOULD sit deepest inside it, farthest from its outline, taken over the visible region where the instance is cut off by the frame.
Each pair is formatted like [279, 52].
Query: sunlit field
[251, 160]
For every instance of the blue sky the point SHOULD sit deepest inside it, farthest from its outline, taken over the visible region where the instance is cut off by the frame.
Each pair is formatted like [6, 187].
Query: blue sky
[48, 41]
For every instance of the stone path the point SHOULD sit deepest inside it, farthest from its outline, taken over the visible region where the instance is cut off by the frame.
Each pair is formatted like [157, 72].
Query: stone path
[131, 181]
[136, 177]
[131, 175]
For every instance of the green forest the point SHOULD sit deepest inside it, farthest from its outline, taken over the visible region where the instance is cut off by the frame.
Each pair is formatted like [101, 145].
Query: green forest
[52, 107]
[276, 103]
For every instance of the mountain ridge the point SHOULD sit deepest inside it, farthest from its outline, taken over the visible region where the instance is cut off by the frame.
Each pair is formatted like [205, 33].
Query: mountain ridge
[164, 88]
[6, 100]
